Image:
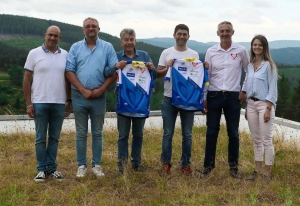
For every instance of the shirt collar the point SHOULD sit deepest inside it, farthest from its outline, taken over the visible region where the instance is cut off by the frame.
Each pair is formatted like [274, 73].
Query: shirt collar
[135, 53]
[233, 46]
[97, 41]
[46, 50]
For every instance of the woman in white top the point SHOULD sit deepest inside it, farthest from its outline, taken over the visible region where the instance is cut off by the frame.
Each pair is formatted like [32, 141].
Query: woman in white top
[261, 103]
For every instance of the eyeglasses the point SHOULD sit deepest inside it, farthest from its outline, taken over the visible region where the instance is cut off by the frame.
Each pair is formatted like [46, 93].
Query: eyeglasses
[90, 26]
[53, 35]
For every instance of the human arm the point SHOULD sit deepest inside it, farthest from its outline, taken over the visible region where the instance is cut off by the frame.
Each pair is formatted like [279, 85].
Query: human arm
[245, 63]
[27, 93]
[68, 96]
[101, 90]
[208, 61]
[88, 94]
[272, 91]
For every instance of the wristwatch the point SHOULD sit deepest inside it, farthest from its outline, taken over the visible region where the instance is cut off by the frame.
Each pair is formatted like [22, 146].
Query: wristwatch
[269, 108]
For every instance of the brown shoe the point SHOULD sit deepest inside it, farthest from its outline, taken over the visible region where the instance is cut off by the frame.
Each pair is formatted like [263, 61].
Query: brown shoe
[186, 170]
[166, 169]
[253, 176]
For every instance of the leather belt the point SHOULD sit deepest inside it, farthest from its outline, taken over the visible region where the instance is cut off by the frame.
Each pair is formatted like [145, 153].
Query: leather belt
[255, 99]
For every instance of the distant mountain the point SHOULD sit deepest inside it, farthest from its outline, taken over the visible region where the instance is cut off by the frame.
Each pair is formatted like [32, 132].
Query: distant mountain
[19, 34]
[26, 33]
[282, 51]
[202, 47]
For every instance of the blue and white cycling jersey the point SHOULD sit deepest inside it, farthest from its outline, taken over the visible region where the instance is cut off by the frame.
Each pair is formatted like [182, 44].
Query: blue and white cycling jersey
[135, 83]
[188, 79]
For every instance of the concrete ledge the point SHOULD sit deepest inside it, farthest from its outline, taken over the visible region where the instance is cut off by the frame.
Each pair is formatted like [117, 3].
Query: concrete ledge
[108, 115]
[284, 129]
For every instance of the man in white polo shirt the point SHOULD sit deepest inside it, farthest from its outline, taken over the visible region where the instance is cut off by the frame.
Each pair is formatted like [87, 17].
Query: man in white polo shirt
[226, 61]
[47, 99]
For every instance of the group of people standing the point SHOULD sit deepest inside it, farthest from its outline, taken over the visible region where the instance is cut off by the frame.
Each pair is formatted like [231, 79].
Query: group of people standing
[81, 76]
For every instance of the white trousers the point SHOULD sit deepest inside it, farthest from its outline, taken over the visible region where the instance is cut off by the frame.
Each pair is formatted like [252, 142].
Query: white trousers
[261, 131]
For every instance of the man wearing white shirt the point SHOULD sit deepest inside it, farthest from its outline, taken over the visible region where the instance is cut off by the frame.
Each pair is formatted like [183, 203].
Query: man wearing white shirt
[226, 61]
[170, 112]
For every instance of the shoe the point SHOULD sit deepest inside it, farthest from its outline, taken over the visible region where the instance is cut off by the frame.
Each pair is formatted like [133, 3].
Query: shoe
[166, 169]
[81, 171]
[253, 176]
[186, 170]
[97, 171]
[267, 178]
[139, 168]
[57, 176]
[40, 177]
[205, 173]
[234, 172]
[121, 171]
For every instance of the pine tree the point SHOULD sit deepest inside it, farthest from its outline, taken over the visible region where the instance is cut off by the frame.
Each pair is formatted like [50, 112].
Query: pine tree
[284, 97]
[295, 106]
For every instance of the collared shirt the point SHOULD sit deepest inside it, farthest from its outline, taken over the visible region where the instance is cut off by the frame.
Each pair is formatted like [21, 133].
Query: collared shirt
[48, 69]
[92, 67]
[138, 56]
[262, 83]
[225, 67]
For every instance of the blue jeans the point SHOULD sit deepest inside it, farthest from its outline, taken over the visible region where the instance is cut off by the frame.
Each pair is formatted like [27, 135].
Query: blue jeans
[124, 124]
[83, 110]
[169, 115]
[49, 117]
[230, 104]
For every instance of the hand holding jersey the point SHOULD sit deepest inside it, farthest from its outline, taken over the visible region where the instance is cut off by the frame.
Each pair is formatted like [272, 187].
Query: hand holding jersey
[134, 84]
[189, 77]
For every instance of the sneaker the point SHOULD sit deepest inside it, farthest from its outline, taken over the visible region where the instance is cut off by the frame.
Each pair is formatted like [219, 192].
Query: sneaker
[186, 170]
[40, 177]
[97, 171]
[81, 171]
[205, 173]
[166, 169]
[234, 172]
[253, 176]
[57, 176]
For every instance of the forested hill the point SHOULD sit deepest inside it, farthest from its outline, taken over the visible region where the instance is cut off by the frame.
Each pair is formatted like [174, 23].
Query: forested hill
[14, 30]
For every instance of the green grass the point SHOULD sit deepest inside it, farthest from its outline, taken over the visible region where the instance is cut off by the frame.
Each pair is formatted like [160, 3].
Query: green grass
[30, 42]
[17, 170]
[4, 76]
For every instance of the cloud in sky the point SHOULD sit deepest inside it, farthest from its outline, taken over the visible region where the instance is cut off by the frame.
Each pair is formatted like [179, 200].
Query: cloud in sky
[275, 19]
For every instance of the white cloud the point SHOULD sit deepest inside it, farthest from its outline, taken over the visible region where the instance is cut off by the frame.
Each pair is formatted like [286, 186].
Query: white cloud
[155, 18]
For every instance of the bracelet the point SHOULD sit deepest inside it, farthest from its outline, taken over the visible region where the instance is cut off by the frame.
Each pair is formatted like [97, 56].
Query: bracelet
[269, 108]
[29, 106]
[69, 100]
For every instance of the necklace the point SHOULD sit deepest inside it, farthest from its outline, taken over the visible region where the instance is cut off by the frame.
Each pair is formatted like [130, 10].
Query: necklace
[256, 65]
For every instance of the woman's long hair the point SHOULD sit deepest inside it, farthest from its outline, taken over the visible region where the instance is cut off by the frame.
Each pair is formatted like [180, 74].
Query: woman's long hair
[266, 52]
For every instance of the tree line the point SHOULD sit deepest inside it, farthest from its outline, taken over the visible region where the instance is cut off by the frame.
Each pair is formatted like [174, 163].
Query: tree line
[12, 60]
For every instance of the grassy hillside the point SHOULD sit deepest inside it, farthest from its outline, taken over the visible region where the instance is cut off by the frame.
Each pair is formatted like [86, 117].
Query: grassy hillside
[18, 168]
[27, 33]
[29, 42]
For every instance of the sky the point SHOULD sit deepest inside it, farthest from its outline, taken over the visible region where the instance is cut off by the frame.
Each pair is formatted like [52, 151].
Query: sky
[277, 20]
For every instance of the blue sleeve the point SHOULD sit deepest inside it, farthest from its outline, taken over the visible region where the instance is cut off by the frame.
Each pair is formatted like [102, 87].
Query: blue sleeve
[71, 64]
[112, 60]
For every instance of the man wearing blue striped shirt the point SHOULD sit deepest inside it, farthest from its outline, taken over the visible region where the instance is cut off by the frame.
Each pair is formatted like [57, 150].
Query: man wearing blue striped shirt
[91, 66]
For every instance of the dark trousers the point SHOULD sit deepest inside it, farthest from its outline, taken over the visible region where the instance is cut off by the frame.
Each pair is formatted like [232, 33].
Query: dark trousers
[230, 104]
